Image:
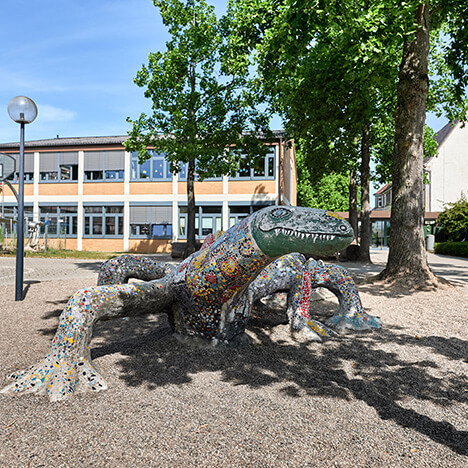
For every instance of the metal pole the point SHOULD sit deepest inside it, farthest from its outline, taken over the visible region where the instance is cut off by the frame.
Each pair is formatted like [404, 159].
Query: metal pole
[20, 222]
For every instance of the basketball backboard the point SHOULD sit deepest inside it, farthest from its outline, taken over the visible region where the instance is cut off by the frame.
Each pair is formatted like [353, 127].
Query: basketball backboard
[7, 165]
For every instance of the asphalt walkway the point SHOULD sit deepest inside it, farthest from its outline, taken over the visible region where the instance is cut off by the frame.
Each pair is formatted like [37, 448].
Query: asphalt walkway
[48, 269]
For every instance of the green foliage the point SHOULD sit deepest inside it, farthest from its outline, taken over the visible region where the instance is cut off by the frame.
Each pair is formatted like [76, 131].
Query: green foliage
[456, 249]
[445, 97]
[200, 110]
[383, 168]
[329, 70]
[454, 219]
[330, 193]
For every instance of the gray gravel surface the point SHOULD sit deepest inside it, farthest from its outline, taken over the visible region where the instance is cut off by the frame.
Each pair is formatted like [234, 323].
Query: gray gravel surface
[394, 397]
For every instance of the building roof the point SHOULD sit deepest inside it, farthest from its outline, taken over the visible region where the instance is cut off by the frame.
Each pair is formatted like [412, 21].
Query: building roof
[383, 189]
[441, 136]
[86, 141]
[444, 132]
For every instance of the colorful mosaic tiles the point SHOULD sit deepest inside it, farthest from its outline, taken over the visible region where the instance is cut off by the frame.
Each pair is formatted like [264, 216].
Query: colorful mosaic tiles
[207, 297]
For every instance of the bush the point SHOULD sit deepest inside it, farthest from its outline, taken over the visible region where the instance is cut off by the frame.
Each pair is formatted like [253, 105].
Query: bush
[453, 221]
[456, 249]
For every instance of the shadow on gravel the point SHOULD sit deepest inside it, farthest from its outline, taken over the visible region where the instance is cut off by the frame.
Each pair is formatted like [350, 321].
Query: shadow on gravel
[379, 378]
[28, 286]
[90, 266]
[356, 366]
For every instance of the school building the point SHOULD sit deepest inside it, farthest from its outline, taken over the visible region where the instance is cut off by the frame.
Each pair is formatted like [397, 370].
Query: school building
[96, 196]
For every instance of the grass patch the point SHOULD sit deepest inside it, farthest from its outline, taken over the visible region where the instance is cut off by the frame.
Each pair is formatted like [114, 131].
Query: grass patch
[455, 249]
[52, 253]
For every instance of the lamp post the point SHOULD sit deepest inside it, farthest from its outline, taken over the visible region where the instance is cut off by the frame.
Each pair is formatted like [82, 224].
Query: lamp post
[23, 111]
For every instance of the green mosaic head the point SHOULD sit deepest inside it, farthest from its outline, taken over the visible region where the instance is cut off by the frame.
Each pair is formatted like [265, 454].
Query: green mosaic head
[279, 230]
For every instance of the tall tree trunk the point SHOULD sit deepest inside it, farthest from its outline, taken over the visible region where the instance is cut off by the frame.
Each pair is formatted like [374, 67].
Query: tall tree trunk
[191, 246]
[407, 256]
[364, 245]
[353, 191]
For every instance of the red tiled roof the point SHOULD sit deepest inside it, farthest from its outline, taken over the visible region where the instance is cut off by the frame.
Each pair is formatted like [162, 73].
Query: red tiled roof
[383, 189]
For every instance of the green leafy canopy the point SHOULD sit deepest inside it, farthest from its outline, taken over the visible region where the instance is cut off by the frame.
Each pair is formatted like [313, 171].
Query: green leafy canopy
[200, 109]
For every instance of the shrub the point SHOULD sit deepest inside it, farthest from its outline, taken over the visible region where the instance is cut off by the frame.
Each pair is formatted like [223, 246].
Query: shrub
[456, 249]
[453, 221]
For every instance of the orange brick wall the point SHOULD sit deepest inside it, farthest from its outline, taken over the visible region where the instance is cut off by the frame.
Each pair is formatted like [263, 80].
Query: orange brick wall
[103, 188]
[58, 189]
[290, 176]
[154, 188]
[149, 246]
[252, 186]
[59, 243]
[202, 188]
[28, 190]
[103, 245]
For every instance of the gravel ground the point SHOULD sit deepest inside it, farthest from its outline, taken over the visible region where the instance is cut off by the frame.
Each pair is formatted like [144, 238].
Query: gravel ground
[394, 397]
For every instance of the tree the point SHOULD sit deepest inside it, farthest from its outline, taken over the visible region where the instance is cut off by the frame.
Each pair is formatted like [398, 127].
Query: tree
[286, 34]
[203, 115]
[331, 72]
[407, 256]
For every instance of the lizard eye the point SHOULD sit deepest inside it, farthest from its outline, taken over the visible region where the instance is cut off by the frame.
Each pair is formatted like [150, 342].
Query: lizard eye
[343, 228]
[278, 213]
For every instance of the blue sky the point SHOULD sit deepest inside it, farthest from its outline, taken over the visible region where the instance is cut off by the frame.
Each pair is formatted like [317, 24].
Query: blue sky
[77, 60]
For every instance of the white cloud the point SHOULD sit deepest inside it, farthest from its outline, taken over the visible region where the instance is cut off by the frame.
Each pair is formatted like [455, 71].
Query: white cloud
[54, 114]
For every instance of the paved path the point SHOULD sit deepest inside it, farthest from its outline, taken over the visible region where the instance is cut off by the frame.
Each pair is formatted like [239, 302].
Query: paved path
[454, 269]
[48, 269]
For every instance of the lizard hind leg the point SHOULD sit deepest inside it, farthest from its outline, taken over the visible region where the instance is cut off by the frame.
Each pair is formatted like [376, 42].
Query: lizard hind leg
[67, 367]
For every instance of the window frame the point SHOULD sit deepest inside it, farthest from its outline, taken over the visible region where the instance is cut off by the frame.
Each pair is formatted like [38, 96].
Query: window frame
[135, 168]
[58, 171]
[270, 156]
[103, 156]
[70, 225]
[217, 220]
[167, 227]
[28, 176]
[119, 221]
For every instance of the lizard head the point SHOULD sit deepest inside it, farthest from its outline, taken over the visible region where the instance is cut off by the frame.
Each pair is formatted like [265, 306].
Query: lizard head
[279, 230]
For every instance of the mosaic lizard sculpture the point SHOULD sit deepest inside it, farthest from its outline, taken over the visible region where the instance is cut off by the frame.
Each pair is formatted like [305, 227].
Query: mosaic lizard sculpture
[207, 297]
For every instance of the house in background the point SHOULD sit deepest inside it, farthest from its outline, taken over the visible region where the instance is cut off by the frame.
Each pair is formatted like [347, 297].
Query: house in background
[96, 196]
[447, 172]
[447, 177]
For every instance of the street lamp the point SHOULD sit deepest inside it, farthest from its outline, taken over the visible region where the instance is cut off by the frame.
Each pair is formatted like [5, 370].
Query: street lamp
[23, 111]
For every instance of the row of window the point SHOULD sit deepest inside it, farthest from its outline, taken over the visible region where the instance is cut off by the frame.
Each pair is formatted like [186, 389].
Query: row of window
[147, 222]
[110, 165]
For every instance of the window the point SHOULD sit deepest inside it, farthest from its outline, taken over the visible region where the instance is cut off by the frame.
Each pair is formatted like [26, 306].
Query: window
[104, 165]
[208, 220]
[103, 221]
[58, 167]
[260, 168]
[379, 202]
[28, 168]
[61, 220]
[11, 212]
[151, 222]
[184, 170]
[237, 213]
[155, 168]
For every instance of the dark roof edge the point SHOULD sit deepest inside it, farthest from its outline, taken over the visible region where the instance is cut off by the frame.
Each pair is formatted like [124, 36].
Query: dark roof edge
[87, 141]
[441, 136]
